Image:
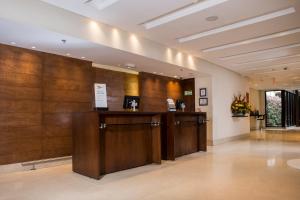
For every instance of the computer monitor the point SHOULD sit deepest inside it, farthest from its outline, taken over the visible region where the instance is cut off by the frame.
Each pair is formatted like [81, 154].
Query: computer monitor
[129, 99]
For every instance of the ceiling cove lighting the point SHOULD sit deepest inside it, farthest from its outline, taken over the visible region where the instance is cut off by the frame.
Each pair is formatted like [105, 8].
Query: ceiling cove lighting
[188, 10]
[101, 4]
[258, 39]
[240, 24]
[265, 60]
[259, 52]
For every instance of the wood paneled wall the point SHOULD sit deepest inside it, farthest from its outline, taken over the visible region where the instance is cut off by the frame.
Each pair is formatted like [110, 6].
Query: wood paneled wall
[38, 93]
[118, 84]
[155, 89]
[189, 85]
[20, 105]
[67, 88]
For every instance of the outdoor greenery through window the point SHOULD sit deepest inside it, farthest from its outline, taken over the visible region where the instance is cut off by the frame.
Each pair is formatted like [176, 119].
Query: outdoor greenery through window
[273, 108]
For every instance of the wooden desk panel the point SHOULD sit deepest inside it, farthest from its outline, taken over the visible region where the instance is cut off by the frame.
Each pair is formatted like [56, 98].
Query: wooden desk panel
[86, 144]
[120, 150]
[183, 133]
[186, 138]
[116, 141]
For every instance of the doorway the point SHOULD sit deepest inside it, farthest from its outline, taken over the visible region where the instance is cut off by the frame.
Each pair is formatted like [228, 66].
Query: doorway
[273, 108]
[281, 108]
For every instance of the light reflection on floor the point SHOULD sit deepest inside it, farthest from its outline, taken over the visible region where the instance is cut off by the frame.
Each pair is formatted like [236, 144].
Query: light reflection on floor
[250, 169]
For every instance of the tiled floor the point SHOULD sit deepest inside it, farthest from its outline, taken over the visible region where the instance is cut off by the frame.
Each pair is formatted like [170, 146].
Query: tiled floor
[252, 169]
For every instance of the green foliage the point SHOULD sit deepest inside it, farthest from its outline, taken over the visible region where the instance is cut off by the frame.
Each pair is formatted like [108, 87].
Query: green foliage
[274, 110]
[240, 105]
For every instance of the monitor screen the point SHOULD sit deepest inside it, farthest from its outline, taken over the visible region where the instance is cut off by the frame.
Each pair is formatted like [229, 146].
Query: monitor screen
[129, 99]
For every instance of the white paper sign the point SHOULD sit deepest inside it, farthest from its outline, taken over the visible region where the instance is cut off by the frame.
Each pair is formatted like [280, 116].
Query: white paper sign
[100, 95]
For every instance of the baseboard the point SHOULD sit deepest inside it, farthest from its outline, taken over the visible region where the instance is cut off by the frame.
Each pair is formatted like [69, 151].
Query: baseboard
[229, 139]
[37, 164]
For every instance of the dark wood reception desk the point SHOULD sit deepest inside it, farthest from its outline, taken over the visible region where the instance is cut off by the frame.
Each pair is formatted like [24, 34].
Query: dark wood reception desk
[105, 142]
[183, 133]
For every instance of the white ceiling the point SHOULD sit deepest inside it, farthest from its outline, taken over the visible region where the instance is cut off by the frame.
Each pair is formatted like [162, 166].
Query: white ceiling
[48, 41]
[265, 68]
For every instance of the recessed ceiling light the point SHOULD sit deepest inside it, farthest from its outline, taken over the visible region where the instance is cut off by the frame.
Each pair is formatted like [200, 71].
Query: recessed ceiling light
[33, 47]
[130, 65]
[68, 54]
[154, 72]
[253, 40]
[212, 18]
[13, 43]
[239, 24]
[188, 10]
[101, 4]
[83, 57]
[175, 76]
[259, 52]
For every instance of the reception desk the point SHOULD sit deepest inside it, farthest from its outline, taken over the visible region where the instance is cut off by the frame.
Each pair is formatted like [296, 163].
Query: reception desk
[183, 133]
[106, 142]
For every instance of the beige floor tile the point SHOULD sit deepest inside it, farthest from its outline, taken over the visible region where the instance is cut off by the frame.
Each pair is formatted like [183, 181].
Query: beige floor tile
[254, 169]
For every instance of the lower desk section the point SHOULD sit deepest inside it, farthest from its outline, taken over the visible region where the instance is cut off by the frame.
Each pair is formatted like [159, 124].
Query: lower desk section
[106, 142]
[183, 133]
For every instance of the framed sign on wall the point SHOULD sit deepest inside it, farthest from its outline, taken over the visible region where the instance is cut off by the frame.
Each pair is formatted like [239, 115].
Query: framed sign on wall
[100, 95]
[203, 92]
[203, 101]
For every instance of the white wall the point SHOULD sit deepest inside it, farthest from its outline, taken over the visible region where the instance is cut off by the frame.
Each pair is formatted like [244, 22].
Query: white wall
[257, 103]
[205, 82]
[222, 86]
[224, 83]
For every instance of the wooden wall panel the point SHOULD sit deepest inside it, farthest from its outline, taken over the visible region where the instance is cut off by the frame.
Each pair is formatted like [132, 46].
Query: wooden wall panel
[20, 93]
[189, 85]
[40, 91]
[67, 88]
[131, 85]
[155, 89]
[20, 105]
[38, 94]
[118, 84]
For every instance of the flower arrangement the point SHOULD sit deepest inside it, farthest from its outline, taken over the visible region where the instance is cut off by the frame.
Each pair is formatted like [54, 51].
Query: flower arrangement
[240, 105]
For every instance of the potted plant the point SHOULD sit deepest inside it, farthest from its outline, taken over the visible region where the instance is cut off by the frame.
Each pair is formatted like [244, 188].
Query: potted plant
[240, 106]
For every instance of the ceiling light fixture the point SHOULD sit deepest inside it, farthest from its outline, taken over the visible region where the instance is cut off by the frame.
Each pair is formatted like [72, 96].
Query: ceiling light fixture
[270, 72]
[276, 71]
[101, 4]
[130, 65]
[83, 57]
[68, 54]
[188, 10]
[212, 18]
[259, 52]
[33, 47]
[265, 60]
[258, 39]
[240, 24]
[264, 68]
